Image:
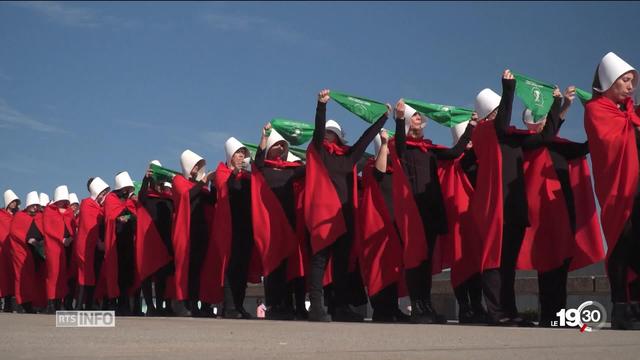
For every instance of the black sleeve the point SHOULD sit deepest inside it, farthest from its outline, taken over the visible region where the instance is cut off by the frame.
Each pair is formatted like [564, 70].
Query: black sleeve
[458, 148]
[195, 191]
[357, 150]
[34, 232]
[299, 172]
[144, 190]
[503, 117]
[560, 123]
[260, 156]
[547, 134]
[401, 138]
[378, 175]
[321, 119]
[572, 150]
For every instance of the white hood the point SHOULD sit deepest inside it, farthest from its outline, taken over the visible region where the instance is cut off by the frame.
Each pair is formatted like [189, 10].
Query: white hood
[274, 138]
[73, 199]
[231, 146]
[611, 67]
[61, 194]
[32, 199]
[123, 180]
[44, 199]
[97, 186]
[9, 197]
[188, 160]
[408, 113]
[457, 130]
[334, 127]
[486, 101]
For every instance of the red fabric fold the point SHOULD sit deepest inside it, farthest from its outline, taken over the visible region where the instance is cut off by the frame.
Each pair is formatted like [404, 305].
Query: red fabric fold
[30, 285]
[91, 216]
[58, 272]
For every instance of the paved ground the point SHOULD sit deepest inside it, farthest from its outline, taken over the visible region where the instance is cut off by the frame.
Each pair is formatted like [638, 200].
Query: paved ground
[35, 336]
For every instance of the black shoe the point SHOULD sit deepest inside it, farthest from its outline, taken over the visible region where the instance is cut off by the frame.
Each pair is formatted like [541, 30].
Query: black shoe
[302, 314]
[344, 313]
[317, 313]
[8, 305]
[279, 313]
[401, 317]
[504, 321]
[180, 309]
[521, 322]
[466, 317]
[382, 317]
[623, 317]
[51, 308]
[27, 308]
[153, 312]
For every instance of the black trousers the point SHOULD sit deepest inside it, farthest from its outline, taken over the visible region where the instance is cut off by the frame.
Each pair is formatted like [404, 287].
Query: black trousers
[339, 251]
[419, 279]
[385, 302]
[552, 291]
[625, 256]
[239, 263]
[275, 286]
[498, 285]
[469, 293]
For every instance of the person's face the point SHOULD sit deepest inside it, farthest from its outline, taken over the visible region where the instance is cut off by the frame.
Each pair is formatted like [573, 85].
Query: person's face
[101, 196]
[277, 150]
[75, 207]
[415, 126]
[237, 159]
[200, 165]
[13, 206]
[537, 127]
[33, 209]
[166, 190]
[491, 116]
[62, 204]
[330, 136]
[622, 88]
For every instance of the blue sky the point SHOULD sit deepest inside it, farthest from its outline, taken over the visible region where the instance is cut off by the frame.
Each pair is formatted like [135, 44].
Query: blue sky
[91, 89]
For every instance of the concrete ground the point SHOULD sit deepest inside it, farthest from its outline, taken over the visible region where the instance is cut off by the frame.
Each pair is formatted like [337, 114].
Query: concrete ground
[35, 336]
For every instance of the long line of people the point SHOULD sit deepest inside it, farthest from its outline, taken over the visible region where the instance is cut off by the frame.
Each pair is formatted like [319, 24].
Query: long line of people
[498, 200]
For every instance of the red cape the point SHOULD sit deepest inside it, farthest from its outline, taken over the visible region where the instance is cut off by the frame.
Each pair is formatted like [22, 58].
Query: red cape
[381, 252]
[298, 262]
[548, 241]
[614, 159]
[407, 216]
[108, 283]
[460, 247]
[210, 291]
[322, 207]
[57, 272]
[151, 253]
[29, 285]
[6, 268]
[91, 216]
[485, 208]
[275, 239]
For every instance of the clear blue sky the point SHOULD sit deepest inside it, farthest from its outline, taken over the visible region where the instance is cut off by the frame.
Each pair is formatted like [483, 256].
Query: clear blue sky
[91, 89]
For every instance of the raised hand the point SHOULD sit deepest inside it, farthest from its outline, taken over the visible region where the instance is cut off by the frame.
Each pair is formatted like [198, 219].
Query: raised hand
[400, 109]
[323, 96]
[507, 75]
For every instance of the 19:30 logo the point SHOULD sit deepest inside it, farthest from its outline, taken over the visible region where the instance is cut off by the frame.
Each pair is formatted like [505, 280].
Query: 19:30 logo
[589, 316]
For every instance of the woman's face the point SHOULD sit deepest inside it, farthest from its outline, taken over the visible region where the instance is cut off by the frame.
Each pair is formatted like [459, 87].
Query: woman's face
[32, 209]
[237, 159]
[330, 136]
[491, 116]
[537, 127]
[200, 165]
[277, 150]
[621, 88]
[101, 196]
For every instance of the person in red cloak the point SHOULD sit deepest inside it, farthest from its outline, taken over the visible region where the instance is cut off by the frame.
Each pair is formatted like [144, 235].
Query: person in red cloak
[59, 232]
[273, 208]
[27, 248]
[500, 185]
[458, 179]
[330, 205]
[117, 275]
[233, 211]
[154, 250]
[7, 279]
[612, 130]
[89, 246]
[381, 250]
[196, 270]
[418, 159]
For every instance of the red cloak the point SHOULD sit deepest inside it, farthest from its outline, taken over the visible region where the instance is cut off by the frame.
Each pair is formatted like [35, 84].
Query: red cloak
[322, 207]
[275, 239]
[549, 239]
[614, 159]
[210, 290]
[407, 216]
[108, 283]
[485, 208]
[460, 247]
[381, 255]
[91, 216]
[151, 253]
[57, 271]
[6, 269]
[29, 285]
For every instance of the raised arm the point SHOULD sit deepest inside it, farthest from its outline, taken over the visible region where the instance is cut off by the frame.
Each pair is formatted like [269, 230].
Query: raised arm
[401, 134]
[321, 118]
[503, 116]
[357, 150]
[550, 127]
[461, 145]
[383, 152]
